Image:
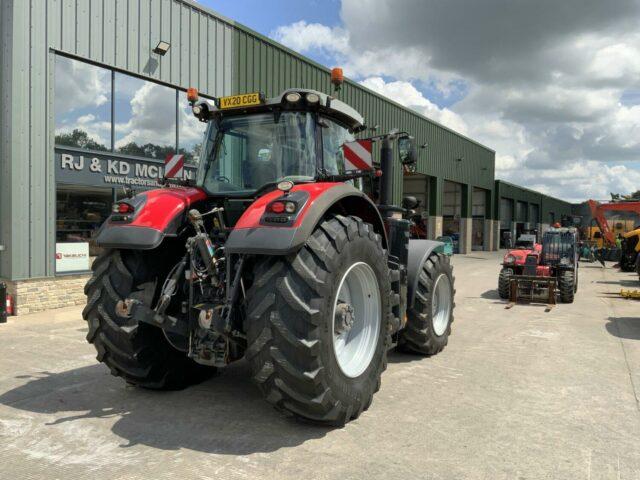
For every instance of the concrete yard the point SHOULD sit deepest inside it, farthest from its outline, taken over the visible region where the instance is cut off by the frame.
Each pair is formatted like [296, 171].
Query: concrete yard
[518, 393]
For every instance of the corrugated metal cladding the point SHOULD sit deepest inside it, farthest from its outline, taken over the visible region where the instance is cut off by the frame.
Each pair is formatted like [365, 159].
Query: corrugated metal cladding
[539, 204]
[122, 34]
[207, 51]
[116, 33]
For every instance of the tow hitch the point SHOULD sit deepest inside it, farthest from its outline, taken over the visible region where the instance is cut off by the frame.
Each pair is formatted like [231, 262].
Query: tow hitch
[138, 311]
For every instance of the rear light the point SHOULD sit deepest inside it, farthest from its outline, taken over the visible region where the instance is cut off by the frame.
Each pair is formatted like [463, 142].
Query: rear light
[122, 207]
[276, 207]
[282, 207]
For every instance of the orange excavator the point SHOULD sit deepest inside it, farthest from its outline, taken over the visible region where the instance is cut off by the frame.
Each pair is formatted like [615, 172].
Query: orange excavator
[631, 243]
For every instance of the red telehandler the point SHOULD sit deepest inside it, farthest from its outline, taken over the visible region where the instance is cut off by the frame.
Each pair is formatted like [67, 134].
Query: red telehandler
[277, 254]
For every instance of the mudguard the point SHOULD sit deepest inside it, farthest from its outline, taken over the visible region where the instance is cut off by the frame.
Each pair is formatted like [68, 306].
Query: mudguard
[158, 214]
[419, 251]
[252, 235]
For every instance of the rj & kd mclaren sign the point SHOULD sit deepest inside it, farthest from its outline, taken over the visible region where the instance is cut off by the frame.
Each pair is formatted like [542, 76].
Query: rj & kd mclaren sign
[101, 170]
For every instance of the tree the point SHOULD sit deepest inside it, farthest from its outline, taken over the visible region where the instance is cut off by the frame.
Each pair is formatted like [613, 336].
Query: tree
[80, 139]
[617, 197]
[148, 150]
[192, 157]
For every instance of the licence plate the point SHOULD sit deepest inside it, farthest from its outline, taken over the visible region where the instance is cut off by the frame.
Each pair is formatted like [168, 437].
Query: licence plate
[244, 100]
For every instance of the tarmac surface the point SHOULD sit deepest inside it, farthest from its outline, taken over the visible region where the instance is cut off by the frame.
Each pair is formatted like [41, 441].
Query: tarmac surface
[519, 393]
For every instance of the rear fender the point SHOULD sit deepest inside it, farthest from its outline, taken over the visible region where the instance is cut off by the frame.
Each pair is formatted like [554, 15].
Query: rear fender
[253, 235]
[158, 214]
[419, 251]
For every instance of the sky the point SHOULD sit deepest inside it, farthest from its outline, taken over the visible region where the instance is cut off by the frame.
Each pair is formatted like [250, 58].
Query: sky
[553, 87]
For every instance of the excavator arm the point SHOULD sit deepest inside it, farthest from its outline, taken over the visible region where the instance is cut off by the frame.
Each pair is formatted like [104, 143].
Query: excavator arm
[598, 210]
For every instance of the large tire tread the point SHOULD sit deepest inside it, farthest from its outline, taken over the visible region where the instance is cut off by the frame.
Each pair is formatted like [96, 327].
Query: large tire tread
[566, 284]
[418, 336]
[285, 325]
[504, 283]
[140, 354]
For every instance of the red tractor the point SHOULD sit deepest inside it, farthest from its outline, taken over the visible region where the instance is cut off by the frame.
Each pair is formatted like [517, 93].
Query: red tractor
[538, 272]
[276, 253]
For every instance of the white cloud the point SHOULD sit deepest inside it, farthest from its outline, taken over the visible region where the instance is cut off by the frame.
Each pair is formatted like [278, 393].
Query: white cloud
[153, 117]
[303, 36]
[408, 95]
[543, 79]
[80, 85]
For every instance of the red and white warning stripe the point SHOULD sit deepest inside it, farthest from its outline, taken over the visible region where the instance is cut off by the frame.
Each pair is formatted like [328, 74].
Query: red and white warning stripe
[174, 166]
[357, 155]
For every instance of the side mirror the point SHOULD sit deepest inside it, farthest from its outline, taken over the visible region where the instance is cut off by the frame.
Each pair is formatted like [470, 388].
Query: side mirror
[407, 151]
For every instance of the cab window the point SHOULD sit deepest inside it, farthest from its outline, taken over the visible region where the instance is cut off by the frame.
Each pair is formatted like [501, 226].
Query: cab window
[333, 137]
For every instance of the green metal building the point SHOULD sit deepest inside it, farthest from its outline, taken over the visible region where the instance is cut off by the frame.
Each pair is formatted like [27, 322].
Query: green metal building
[91, 103]
[521, 209]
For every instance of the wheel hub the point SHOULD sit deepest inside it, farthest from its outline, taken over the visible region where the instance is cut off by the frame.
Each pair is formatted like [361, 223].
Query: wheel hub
[344, 318]
[357, 315]
[441, 304]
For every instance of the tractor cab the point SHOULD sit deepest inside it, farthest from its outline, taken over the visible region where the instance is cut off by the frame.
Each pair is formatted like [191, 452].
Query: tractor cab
[252, 143]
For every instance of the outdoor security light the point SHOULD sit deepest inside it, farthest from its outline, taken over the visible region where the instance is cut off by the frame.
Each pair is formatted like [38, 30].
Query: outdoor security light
[424, 145]
[162, 48]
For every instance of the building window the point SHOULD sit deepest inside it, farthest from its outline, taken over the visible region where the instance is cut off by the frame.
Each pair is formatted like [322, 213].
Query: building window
[145, 117]
[82, 105]
[100, 110]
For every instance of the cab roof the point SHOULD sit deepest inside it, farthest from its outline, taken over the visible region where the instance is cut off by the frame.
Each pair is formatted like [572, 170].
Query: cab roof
[328, 105]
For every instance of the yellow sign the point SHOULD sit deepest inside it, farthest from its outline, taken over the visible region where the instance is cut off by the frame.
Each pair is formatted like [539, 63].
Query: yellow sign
[244, 100]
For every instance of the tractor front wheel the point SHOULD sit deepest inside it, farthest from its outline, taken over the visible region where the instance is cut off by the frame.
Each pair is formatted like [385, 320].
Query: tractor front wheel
[318, 323]
[567, 284]
[429, 319]
[504, 283]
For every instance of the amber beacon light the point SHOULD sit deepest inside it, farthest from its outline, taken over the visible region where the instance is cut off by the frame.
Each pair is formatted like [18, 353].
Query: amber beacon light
[337, 77]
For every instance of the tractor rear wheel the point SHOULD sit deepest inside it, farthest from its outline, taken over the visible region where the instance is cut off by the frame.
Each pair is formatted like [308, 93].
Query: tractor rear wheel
[318, 323]
[429, 319]
[139, 353]
[567, 283]
[504, 283]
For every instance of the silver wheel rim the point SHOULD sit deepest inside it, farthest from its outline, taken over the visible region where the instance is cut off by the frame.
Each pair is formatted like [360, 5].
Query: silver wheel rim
[441, 304]
[355, 334]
